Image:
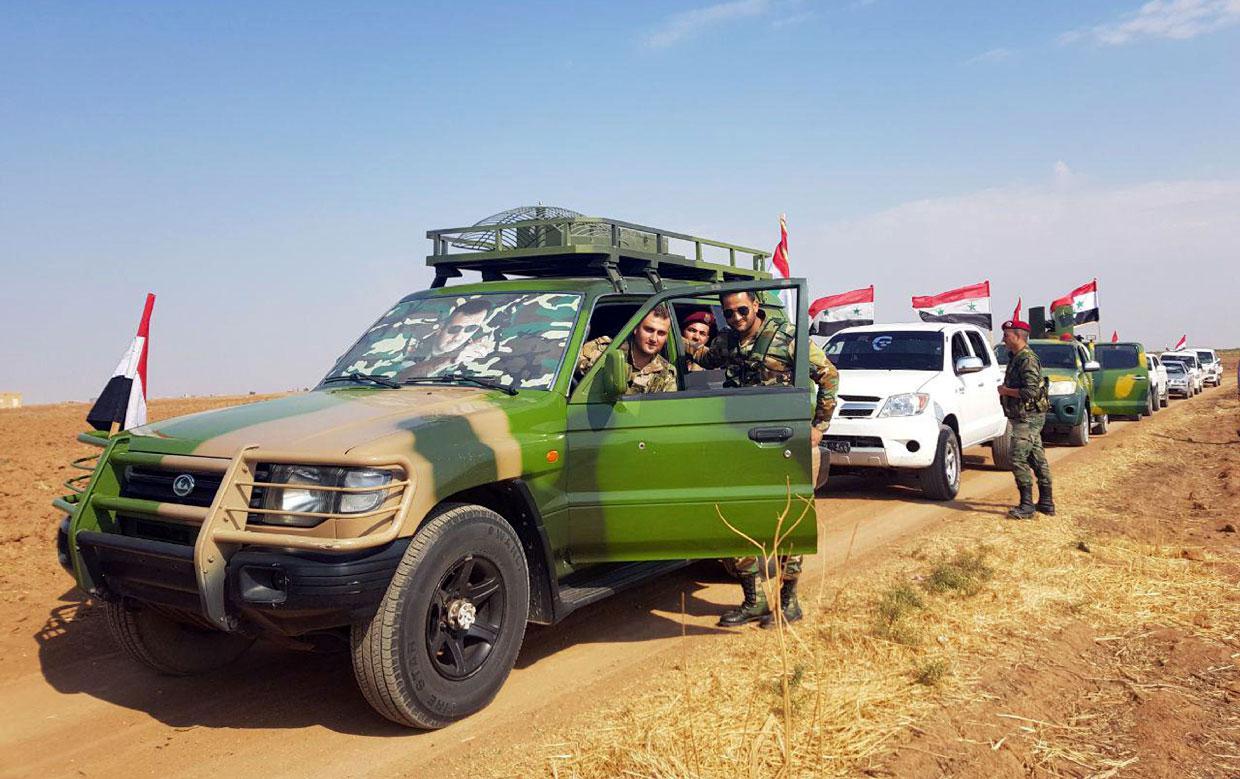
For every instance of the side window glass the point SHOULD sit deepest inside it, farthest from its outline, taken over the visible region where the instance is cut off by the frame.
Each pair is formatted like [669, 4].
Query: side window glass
[960, 349]
[979, 347]
[606, 320]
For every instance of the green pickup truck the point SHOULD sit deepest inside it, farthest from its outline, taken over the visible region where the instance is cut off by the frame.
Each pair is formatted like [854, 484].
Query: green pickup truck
[1122, 386]
[1071, 373]
[453, 477]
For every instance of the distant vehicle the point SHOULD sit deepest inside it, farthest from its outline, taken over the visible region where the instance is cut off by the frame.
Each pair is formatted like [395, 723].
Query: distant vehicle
[913, 397]
[1192, 364]
[1211, 366]
[1070, 371]
[1122, 387]
[1158, 378]
[1179, 381]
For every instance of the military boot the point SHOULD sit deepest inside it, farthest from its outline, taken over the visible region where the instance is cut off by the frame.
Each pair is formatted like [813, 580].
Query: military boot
[789, 606]
[1026, 509]
[1046, 500]
[752, 609]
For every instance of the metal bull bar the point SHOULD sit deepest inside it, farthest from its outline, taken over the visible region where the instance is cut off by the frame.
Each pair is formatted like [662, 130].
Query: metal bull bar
[224, 528]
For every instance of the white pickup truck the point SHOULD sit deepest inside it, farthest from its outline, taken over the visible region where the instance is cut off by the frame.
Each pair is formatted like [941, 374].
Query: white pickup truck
[913, 397]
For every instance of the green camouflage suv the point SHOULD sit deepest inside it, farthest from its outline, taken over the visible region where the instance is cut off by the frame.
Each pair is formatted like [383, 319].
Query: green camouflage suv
[454, 476]
[1069, 370]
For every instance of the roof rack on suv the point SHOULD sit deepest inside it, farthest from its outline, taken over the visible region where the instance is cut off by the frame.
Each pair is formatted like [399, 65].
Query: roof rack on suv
[583, 246]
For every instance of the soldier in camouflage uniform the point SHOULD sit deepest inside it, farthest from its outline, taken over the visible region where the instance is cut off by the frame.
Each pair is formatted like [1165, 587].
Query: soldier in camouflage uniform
[761, 350]
[1024, 400]
[648, 370]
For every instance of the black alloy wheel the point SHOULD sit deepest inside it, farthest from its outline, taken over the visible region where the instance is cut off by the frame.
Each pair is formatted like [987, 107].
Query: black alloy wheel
[465, 618]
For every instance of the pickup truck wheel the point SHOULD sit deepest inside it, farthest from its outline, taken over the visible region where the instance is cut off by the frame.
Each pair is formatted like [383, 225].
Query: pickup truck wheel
[941, 481]
[1001, 449]
[170, 647]
[447, 632]
[1078, 435]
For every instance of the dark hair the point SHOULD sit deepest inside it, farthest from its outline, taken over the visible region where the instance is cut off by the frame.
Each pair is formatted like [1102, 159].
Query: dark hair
[471, 307]
[660, 311]
[752, 295]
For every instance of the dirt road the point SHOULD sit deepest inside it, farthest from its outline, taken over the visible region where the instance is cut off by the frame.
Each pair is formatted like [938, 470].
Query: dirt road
[73, 706]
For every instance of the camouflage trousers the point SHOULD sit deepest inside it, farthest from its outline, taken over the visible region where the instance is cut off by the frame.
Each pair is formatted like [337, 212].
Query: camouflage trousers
[789, 564]
[1028, 457]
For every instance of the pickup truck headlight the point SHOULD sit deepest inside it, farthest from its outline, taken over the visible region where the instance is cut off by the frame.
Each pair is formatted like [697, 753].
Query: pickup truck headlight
[908, 404]
[1061, 387]
[304, 493]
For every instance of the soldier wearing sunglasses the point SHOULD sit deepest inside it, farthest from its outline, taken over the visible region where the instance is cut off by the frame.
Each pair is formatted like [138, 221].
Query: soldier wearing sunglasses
[760, 350]
[454, 343]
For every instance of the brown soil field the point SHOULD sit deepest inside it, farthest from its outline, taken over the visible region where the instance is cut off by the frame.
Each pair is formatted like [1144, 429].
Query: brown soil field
[1103, 642]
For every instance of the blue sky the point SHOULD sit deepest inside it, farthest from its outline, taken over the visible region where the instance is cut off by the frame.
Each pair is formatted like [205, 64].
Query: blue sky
[269, 170]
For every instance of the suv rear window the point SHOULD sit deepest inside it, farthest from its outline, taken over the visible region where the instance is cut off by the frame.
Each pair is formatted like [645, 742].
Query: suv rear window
[1112, 356]
[1205, 357]
[891, 350]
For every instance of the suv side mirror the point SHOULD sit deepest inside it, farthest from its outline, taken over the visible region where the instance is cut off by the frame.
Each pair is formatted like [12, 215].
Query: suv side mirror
[614, 375]
[968, 365]
[1092, 365]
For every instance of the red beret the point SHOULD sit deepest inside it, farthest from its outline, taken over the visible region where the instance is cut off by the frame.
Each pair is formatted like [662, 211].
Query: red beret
[1066, 337]
[703, 317]
[1016, 324]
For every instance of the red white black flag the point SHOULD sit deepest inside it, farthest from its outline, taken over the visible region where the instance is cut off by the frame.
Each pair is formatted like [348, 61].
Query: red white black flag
[1084, 302]
[122, 404]
[1180, 344]
[969, 305]
[830, 314]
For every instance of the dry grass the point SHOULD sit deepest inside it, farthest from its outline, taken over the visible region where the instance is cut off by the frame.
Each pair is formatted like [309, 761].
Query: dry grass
[887, 649]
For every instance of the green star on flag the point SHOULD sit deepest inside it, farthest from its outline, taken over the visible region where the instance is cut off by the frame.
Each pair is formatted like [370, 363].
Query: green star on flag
[972, 306]
[939, 310]
[856, 311]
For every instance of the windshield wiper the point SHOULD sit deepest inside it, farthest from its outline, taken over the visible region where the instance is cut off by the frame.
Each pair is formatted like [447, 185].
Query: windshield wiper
[459, 378]
[362, 378]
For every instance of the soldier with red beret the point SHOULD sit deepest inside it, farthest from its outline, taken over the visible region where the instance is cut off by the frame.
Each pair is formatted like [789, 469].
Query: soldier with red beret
[1024, 400]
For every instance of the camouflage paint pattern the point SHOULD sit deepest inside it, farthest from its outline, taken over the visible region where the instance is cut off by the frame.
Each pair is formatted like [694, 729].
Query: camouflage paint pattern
[1121, 390]
[457, 437]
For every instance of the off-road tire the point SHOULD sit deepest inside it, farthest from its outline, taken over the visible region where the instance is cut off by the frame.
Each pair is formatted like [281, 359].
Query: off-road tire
[392, 660]
[936, 481]
[170, 647]
[1001, 450]
[1078, 435]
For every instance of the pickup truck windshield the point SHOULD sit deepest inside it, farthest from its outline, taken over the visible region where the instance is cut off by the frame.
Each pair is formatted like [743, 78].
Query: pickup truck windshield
[516, 340]
[1174, 367]
[1056, 355]
[1206, 358]
[1116, 356]
[886, 351]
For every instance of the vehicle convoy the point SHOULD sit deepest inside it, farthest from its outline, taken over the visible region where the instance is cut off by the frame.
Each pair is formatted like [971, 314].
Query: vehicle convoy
[1122, 387]
[1158, 378]
[1211, 366]
[912, 397]
[1192, 364]
[1070, 372]
[451, 478]
[1179, 381]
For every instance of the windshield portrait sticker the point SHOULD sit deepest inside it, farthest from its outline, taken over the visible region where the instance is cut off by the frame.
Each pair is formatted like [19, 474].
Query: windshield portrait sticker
[881, 342]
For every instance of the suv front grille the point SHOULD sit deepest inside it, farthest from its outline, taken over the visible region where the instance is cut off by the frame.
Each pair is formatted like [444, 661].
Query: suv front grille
[858, 441]
[156, 484]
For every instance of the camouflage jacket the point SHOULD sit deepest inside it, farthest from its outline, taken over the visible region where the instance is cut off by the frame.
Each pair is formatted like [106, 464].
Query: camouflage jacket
[659, 375]
[770, 359]
[1024, 373]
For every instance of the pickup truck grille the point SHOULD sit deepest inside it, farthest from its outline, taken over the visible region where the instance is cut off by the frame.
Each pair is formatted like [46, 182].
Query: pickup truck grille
[858, 441]
[156, 484]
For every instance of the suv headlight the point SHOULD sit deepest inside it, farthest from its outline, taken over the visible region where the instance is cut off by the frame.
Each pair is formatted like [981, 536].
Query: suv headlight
[304, 493]
[907, 404]
[1061, 387]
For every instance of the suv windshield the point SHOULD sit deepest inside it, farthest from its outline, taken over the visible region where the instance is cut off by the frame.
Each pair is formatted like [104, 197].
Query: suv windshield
[1056, 355]
[516, 340]
[1116, 356]
[1173, 366]
[886, 351]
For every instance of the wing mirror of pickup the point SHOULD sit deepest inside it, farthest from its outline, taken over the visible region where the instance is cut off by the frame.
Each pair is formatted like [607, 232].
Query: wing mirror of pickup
[1093, 365]
[968, 365]
[614, 375]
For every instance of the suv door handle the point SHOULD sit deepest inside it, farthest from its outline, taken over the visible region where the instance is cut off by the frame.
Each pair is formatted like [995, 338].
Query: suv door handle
[769, 435]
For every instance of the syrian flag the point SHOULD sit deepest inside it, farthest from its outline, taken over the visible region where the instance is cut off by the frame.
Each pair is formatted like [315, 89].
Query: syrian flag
[122, 404]
[969, 305]
[780, 260]
[1084, 301]
[828, 315]
[1180, 344]
[1016, 313]
[1114, 336]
